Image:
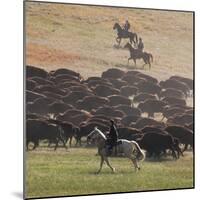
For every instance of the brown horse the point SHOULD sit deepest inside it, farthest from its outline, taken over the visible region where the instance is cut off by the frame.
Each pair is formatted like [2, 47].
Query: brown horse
[138, 54]
[121, 33]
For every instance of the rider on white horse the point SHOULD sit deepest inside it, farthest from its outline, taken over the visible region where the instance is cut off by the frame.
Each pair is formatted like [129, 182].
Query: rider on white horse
[111, 138]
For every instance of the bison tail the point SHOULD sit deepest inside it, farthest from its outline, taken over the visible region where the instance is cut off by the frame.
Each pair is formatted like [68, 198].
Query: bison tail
[140, 154]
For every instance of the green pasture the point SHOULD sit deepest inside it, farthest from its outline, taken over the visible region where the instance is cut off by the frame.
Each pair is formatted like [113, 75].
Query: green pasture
[72, 172]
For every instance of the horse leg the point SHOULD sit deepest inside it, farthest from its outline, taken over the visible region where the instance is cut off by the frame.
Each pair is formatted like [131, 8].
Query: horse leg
[128, 60]
[135, 163]
[119, 41]
[101, 164]
[149, 64]
[70, 141]
[56, 144]
[107, 162]
[134, 61]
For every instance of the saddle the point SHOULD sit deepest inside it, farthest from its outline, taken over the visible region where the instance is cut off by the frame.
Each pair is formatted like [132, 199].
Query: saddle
[110, 148]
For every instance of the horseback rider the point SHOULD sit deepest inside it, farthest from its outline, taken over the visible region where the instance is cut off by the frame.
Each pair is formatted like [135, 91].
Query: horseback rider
[140, 45]
[112, 137]
[127, 26]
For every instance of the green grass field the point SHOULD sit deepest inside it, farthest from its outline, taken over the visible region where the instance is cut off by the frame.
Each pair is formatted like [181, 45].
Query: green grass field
[72, 172]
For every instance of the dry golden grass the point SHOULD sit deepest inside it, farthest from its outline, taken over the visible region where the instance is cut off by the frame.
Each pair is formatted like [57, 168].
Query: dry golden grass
[82, 38]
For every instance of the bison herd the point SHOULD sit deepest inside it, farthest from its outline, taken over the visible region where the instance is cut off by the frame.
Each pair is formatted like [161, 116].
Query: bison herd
[61, 105]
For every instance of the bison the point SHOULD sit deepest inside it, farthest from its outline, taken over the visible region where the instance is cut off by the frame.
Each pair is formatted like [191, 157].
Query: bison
[152, 106]
[113, 73]
[184, 135]
[37, 130]
[143, 97]
[156, 143]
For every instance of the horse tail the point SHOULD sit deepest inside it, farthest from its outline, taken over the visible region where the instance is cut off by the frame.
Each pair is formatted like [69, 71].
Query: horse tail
[151, 56]
[140, 154]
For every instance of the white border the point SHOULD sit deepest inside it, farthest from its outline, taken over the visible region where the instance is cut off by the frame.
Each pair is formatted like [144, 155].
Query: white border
[11, 87]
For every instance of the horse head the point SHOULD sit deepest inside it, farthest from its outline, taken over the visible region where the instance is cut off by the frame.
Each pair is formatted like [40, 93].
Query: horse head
[95, 136]
[116, 26]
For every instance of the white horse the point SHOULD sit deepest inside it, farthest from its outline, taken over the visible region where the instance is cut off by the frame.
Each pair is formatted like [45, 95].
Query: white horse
[130, 149]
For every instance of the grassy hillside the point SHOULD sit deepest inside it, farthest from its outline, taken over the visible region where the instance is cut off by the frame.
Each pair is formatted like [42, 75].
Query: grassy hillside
[82, 38]
[52, 173]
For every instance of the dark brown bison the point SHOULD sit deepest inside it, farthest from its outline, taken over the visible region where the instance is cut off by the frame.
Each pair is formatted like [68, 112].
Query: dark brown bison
[128, 91]
[109, 111]
[152, 106]
[147, 78]
[171, 92]
[79, 119]
[189, 112]
[128, 110]
[147, 129]
[98, 120]
[184, 135]
[35, 71]
[68, 114]
[94, 83]
[149, 87]
[32, 96]
[69, 130]
[59, 78]
[79, 88]
[73, 97]
[92, 102]
[117, 83]
[174, 101]
[40, 106]
[58, 107]
[172, 111]
[67, 84]
[132, 73]
[183, 119]
[65, 71]
[50, 88]
[171, 83]
[52, 95]
[142, 122]
[127, 133]
[156, 143]
[118, 99]
[101, 116]
[127, 120]
[37, 130]
[113, 73]
[143, 97]
[42, 81]
[94, 78]
[104, 91]
[190, 126]
[189, 82]
[132, 80]
[30, 84]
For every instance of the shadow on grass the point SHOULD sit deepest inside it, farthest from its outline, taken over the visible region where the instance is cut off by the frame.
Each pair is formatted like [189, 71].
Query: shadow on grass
[129, 66]
[116, 46]
[161, 159]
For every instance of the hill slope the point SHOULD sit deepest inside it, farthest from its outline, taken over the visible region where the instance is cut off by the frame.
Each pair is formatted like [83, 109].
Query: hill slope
[82, 38]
